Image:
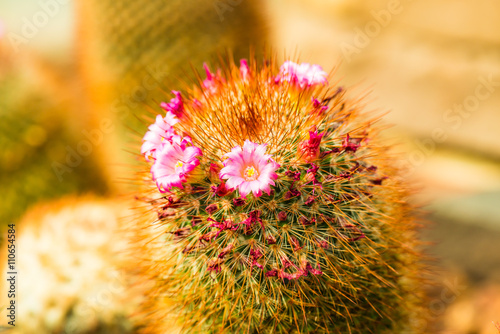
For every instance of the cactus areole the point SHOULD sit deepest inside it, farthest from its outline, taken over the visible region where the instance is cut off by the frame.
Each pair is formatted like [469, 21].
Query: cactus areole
[278, 210]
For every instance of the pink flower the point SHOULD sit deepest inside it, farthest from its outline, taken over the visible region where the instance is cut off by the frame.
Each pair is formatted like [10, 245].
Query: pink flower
[249, 169]
[304, 75]
[174, 161]
[209, 81]
[175, 106]
[212, 80]
[160, 131]
[244, 71]
[318, 107]
[309, 149]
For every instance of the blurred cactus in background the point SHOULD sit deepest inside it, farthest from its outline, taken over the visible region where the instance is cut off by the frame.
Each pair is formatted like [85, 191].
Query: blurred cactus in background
[139, 44]
[271, 207]
[37, 133]
[69, 260]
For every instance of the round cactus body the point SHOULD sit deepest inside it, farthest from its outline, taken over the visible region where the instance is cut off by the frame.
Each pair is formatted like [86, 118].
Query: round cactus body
[276, 209]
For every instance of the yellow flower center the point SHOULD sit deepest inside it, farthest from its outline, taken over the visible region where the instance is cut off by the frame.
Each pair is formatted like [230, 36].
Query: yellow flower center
[179, 164]
[250, 173]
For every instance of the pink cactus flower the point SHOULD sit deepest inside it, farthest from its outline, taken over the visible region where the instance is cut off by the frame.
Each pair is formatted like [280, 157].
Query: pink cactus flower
[304, 75]
[318, 107]
[249, 169]
[160, 131]
[351, 144]
[309, 149]
[221, 190]
[244, 70]
[212, 80]
[175, 106]
[174, 161]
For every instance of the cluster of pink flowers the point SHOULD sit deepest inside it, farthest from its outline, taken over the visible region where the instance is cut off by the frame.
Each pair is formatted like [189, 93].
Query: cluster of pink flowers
[173, 155]
[247, 169]
[210, 83]
[304, 75]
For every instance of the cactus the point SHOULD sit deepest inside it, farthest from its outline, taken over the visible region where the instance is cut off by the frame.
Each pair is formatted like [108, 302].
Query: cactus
[271, 207]
[139, 43]
[37, 145]
[70, 281]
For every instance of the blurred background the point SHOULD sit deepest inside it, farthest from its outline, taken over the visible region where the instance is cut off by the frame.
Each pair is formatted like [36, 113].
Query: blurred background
[76, 77]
